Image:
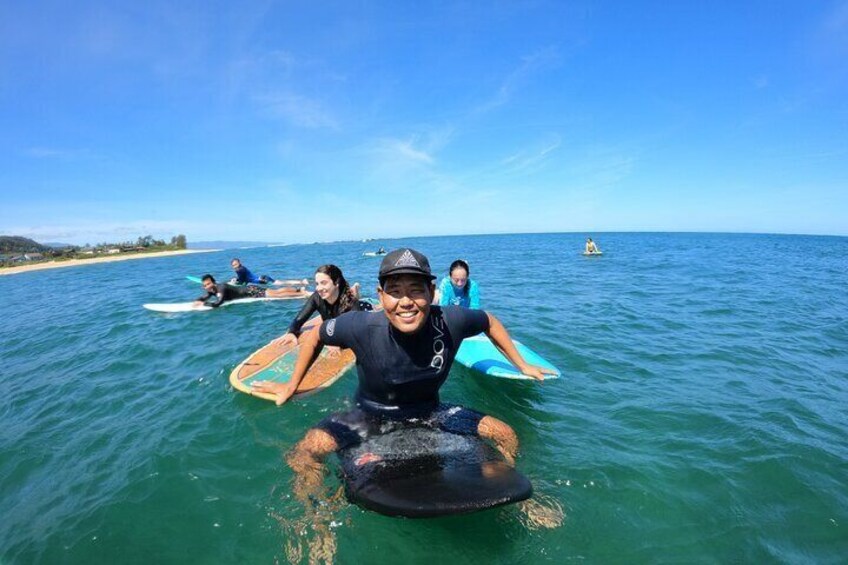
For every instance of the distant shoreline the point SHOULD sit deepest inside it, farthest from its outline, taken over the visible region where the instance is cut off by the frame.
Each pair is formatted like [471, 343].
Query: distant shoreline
[111, 259]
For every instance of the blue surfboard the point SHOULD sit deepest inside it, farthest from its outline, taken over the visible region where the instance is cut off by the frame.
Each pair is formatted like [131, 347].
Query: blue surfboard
[480, 354]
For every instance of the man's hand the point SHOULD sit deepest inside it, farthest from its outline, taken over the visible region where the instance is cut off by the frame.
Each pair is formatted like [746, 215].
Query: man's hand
[535, 372]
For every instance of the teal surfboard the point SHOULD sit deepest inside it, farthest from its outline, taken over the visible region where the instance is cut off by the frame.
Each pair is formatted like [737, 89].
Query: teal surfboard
[480, 354]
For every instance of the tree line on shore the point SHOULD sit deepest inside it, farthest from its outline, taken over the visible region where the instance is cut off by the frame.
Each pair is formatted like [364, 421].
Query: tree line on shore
[15, 250]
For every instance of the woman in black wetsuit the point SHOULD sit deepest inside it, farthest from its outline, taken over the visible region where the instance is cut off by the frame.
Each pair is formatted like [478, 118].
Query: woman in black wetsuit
[332, 296]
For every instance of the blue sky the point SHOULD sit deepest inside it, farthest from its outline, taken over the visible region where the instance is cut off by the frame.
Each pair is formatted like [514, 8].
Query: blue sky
[318, 121]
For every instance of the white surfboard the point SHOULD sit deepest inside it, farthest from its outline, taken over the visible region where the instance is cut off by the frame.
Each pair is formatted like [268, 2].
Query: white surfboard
[191, 307]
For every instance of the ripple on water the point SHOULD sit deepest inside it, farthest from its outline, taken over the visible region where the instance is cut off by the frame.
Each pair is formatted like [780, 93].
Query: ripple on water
[700, 417]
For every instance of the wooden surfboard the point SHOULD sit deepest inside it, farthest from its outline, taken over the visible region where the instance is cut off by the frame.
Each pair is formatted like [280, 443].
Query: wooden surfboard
[275, 362]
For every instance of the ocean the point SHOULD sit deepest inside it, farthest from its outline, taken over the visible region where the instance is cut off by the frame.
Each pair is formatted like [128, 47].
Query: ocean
[702, 416]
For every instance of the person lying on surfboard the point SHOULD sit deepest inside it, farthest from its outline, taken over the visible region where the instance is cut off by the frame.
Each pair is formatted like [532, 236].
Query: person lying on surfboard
[245, 276]
[591, 248]
[216, 293]
[403, 356]
[333, 296]
[457, 289]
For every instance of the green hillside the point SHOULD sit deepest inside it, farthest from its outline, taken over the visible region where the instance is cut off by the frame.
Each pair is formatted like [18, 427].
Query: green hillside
[17, 244]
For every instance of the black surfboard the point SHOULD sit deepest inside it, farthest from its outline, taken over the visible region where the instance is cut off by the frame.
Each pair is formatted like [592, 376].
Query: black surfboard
[423, 472]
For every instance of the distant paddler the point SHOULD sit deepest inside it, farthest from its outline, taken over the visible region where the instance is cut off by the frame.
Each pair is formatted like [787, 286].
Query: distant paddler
[591, 248]
[217, 294]
[245, 276]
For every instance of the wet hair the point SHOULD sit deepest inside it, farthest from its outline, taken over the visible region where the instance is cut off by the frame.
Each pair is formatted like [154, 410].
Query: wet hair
[207, 277]
[236, 259]
[346, 297]
[460, 264]
[457, 264]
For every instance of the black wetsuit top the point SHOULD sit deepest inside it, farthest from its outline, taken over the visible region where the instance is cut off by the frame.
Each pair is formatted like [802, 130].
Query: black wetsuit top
[225, 292]
[327, 311]
[399, 371]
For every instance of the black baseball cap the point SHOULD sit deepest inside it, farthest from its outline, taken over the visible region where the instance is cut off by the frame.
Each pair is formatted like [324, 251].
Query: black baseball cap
[404, 261]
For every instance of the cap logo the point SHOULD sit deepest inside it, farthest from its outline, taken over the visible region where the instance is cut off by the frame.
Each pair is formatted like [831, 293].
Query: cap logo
[331, 327]
[407, 260]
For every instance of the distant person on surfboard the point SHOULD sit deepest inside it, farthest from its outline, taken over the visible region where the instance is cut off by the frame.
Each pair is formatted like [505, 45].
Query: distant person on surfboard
[217, 294]
[457, 289]
[245, 276]
[333, 296]
[591, 248]
[403, 356]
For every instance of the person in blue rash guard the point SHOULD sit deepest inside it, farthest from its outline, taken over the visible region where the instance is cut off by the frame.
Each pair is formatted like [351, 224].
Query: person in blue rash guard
[245, 276]
[458, 289]
[403, 356]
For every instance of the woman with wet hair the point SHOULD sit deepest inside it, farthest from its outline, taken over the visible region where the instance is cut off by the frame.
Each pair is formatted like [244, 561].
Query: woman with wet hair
[332, 297]
[458, 289]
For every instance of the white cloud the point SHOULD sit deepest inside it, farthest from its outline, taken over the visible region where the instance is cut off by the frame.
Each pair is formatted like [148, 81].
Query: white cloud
[528, 160]
[530, 64]
[56, 153]
[297, 110]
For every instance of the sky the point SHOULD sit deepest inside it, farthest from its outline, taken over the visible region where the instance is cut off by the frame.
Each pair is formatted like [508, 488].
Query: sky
[321, 121]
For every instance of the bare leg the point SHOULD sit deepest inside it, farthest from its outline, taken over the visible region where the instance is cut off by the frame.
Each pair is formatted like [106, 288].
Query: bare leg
[283, 292]
[307, 461]
[502, 435]
[539, 512]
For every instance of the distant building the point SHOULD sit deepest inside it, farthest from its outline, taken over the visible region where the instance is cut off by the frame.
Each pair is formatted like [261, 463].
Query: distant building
[113, 250]
[33, 256]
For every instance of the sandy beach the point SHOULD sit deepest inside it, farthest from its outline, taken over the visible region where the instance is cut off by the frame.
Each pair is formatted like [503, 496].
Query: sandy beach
[93, 260]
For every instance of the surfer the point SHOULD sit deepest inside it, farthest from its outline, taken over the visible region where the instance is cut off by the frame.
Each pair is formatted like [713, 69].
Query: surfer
[245, 276]
[458, 289]
[216, 293]
[403, 356]
[591, 248]
[333, 296]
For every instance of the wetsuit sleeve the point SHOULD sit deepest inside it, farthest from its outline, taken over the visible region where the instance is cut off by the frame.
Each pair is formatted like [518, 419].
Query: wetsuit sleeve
[465, 322]
[219, 295]
[341, 331]
[473, 295]
[305, 313]
[445, 292]
[205, 297]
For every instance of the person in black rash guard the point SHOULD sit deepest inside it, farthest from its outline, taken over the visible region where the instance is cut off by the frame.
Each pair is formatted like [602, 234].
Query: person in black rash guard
[403, 356]
[217, 294]
[332, 296]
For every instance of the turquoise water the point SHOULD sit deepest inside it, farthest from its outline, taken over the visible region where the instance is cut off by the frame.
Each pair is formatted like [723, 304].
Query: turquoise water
[701, 417]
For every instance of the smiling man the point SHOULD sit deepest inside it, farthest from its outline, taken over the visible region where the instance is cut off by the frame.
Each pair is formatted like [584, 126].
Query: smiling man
[403, 356]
